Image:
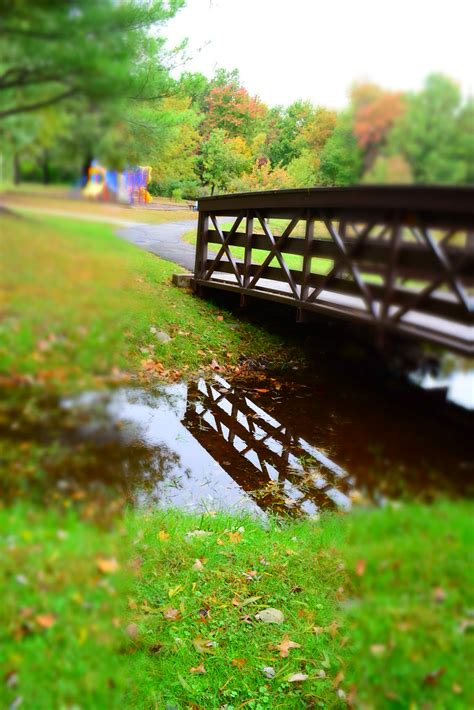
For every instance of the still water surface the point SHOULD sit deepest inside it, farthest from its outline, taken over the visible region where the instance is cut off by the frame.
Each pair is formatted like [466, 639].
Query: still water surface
[280, 443]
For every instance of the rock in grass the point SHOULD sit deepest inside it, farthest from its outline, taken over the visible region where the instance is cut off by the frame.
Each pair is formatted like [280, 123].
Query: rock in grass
[162, 337]
[270, 616]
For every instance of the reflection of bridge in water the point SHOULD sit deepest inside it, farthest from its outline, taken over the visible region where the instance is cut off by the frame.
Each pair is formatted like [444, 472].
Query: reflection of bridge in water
[276, 466]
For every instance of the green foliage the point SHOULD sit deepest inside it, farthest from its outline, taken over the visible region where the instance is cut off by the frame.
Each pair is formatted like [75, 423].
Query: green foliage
[99, 51]
[222, 159]
[341, 157]
[434, 133]
[392, 169]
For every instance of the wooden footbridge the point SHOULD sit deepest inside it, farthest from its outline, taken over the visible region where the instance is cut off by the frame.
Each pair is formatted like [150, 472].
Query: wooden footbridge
[399, 259]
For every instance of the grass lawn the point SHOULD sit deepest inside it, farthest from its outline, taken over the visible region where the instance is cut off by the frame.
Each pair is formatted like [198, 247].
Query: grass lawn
[110, 608]
[61, 201]
[159, 610]
[78, 302]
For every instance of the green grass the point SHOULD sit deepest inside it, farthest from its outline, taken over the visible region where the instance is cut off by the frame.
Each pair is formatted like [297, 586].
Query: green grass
[78, 302]
[378, 601]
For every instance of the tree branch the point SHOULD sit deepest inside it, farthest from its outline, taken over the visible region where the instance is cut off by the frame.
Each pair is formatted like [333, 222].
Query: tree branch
[38, 104]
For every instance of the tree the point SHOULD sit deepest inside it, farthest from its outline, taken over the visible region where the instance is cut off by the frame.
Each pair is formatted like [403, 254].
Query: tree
[341, 157]
[51, 51]
[284, 127]
[433, 134]
[222, 159]
[262, 177]
[229, 106]
[375, 113]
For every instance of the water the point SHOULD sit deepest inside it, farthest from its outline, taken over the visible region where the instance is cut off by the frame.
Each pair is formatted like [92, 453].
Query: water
[274, 443]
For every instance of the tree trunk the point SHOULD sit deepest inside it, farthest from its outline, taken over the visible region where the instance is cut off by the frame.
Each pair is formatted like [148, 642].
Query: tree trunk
[45, 167]
[212, 190]
[16, 169]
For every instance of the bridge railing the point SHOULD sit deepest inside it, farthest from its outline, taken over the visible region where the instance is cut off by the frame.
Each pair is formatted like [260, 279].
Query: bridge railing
[398, 258]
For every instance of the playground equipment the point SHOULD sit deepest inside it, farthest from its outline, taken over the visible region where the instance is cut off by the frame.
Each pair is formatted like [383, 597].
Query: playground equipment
[129, 186]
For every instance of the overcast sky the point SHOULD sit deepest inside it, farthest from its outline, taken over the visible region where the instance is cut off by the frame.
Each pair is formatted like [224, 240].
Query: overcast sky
[313, 49]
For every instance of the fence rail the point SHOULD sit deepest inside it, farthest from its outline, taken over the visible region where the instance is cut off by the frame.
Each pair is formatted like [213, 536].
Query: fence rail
[398, 258]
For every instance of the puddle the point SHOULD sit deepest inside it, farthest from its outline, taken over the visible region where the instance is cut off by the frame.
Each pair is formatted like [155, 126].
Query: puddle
[450, 375]
[277, 444]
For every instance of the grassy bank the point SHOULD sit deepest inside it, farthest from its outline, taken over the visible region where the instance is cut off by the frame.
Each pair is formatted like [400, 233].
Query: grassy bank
[152, 610]
[78, 302]
[160, 610]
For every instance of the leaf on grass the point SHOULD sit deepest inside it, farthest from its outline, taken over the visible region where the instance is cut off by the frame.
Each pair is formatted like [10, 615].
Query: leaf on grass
[285, 646]
[204, 645]
[172, 614]
[339, 677]
[163, 535]
[198, 669]
[198, 566]
[196, 533]
[234, 537]
[268, 672]
[270, 616]
[174, 590]
[45, 620]
[439, 595]
[332, 628]
[378, 649]
[249, 600]
[297, 677]
[433, 677]
[239, 662]
[107, 565]
[360, 567]
[132, 631]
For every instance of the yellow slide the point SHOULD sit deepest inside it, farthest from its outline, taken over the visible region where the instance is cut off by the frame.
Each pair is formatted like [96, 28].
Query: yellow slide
[93, 189]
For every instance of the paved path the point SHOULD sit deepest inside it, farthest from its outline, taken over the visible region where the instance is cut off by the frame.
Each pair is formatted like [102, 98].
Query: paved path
[164, 240]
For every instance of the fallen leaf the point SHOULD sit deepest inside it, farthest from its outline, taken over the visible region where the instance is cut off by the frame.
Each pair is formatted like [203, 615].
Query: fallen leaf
[339, 677]
[163, 535]
[196, 533]
[261, 389]
[270, 616]
[204, 645]
[239, 662]
[439, 595]
[378, 649]
[321, 674]
[332, 628]
[285, 645]
[234, 537]
[171, 614]
[174, 590]
[249, 600]
[132, 631]
[360, 567]
[432, 678]
[107, 565]
[297, 677]
[456, 688]
[268, 672]
[45, 620]
[220, 318]
[198, 566]
[198, 669]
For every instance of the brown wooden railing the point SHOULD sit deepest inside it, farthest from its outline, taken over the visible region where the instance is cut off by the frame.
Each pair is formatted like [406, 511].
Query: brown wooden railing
[398, 258]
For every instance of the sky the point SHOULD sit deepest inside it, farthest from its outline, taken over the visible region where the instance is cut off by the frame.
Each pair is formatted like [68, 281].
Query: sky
[314, 49]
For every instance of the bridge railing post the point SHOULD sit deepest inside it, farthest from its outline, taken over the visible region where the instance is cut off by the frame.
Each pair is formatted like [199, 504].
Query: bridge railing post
[201, 246]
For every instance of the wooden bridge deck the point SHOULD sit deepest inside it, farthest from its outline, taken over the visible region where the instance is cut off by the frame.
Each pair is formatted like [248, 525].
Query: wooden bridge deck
[400, 259]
